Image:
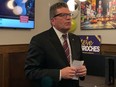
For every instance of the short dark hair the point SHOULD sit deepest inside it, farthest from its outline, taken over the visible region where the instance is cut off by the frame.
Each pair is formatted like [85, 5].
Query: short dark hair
[54, 7]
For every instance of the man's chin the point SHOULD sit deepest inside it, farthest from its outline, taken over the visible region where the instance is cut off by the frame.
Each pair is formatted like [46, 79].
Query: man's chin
[65, 30]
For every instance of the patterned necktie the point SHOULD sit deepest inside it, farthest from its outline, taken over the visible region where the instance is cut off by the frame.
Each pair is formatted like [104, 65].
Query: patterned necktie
[66, 47]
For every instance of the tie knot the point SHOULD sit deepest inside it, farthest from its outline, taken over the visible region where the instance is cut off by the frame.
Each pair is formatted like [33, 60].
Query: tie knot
[64, 36]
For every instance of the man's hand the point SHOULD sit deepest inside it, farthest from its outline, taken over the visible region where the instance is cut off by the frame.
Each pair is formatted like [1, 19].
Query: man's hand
[68, 72]
[81, 71]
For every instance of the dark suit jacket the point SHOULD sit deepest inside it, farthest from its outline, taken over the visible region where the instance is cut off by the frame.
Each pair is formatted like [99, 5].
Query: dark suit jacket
[46, 57]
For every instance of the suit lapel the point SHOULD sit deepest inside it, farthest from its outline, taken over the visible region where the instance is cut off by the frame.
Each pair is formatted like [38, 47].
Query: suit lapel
[57, 44]
[73, 46]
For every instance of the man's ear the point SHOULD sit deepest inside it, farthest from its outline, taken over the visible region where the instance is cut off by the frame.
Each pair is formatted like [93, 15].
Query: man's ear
[52, 21]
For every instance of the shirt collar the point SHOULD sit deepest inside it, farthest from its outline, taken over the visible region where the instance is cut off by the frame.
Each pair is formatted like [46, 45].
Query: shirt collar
[59, 34]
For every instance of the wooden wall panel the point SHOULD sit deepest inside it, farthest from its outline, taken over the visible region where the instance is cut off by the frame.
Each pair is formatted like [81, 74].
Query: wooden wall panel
[16, 73]
[12, 58]
[1, 71]
[5, 70]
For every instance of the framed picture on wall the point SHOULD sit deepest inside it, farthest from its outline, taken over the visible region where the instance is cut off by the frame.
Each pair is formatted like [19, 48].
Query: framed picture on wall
[98, 15]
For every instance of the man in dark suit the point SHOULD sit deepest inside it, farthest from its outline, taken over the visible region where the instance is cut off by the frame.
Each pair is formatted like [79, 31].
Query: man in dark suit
[46, 63]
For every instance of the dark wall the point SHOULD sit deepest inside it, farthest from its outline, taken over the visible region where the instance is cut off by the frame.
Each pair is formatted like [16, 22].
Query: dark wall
[98, 65]
[95, 64]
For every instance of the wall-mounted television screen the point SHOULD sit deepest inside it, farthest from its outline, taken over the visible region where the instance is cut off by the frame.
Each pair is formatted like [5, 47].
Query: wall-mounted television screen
[17, 14]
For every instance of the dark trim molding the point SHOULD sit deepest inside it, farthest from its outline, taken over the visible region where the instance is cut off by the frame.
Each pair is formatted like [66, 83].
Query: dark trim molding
[109, 49]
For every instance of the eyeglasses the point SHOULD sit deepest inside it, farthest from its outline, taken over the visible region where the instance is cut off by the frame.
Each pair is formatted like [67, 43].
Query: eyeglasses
[64, 15]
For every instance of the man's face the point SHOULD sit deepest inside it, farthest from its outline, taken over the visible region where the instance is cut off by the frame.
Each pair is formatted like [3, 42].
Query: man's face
[62, 20]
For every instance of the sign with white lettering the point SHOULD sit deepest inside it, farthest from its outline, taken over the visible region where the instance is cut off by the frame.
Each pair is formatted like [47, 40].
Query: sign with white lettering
[91, 44]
